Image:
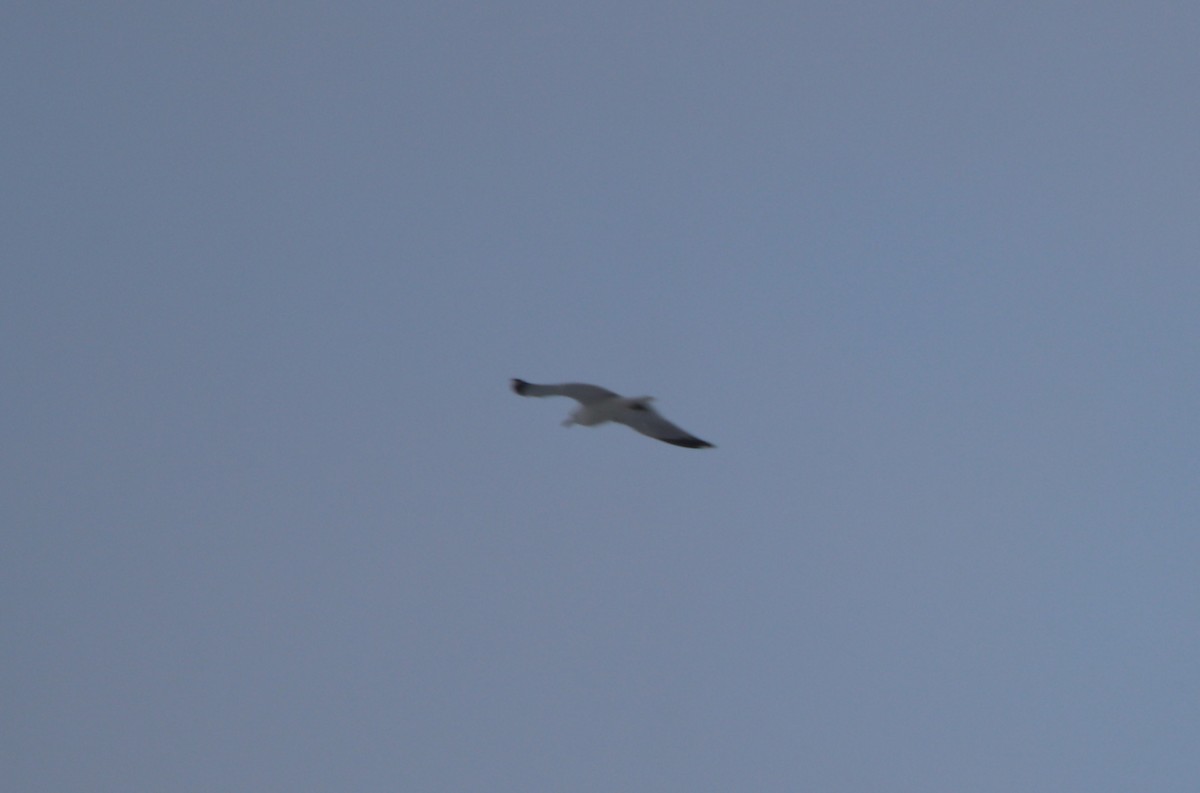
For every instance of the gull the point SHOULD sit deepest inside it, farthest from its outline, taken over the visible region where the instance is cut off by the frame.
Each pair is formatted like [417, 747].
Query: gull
[598, 405]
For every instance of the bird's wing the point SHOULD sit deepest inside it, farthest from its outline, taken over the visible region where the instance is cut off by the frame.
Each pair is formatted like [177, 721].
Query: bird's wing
[647, 421]
[581, 392]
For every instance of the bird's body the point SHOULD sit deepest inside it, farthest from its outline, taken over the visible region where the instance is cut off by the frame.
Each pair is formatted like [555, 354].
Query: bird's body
[599, 405]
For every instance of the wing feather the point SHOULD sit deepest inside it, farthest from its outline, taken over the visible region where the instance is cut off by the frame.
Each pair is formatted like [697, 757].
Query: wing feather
[648, 421]
[581, 392]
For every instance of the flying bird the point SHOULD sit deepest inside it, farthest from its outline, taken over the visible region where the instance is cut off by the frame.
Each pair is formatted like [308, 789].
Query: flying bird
[598, 405]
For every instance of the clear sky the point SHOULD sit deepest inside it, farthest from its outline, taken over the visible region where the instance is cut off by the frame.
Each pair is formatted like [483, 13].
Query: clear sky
[927, 274]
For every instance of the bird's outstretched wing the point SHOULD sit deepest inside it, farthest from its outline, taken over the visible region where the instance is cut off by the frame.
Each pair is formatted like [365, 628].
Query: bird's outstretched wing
[646, 420]
[581, 392]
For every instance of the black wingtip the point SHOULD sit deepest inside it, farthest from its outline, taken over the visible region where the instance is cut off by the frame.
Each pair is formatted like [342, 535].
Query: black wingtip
[519, 386]
[688, 443]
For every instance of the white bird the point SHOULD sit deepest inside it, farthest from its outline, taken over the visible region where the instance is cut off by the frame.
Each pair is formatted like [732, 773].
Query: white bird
[598, 405]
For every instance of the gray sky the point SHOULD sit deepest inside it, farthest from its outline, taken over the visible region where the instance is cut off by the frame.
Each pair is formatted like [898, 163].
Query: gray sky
[926, 273]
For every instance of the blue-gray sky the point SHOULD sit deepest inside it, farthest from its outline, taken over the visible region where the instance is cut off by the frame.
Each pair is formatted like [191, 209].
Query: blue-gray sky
[926, 273]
